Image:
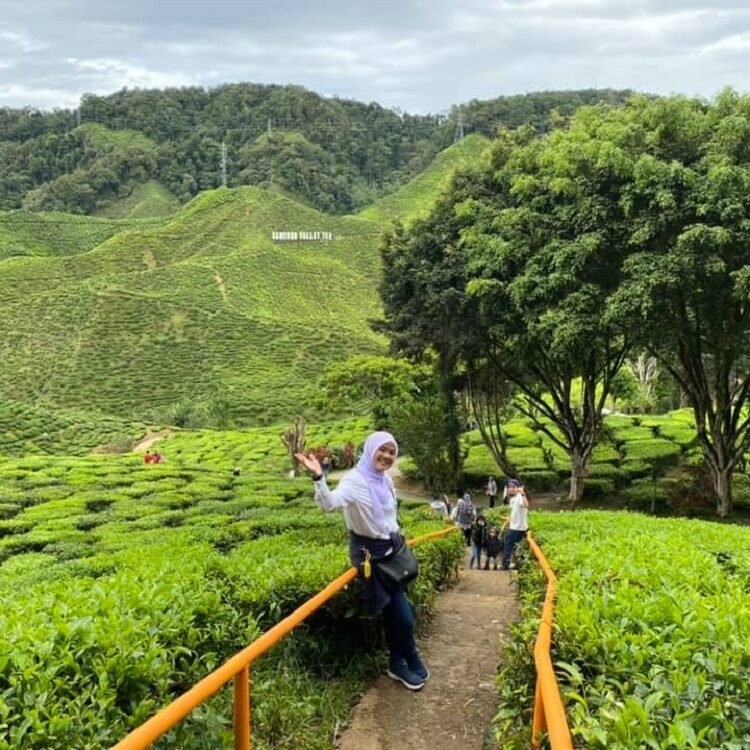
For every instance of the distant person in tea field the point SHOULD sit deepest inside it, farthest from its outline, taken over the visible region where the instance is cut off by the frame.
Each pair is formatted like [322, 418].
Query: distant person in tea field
[157, 458]
[491, 491]
[147, 457]
[517, 523]
[448, 505]
[440, 507]
[326, 464]
[367, 497]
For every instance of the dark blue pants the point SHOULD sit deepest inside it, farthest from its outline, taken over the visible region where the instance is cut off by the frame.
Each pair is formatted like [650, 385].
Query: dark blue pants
[512, 538]
[398, 619]
[476, 554]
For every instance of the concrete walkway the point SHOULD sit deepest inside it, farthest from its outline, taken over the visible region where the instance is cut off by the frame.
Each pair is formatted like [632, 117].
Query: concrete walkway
[462, 649]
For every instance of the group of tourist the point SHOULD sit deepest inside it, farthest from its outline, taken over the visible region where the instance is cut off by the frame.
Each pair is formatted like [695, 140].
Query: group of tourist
[153, 457]
[377, 549]
[488, 540]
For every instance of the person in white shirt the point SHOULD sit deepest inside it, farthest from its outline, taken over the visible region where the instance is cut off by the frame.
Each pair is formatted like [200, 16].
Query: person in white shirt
[367, 497]
[491, 491]
[517, 523]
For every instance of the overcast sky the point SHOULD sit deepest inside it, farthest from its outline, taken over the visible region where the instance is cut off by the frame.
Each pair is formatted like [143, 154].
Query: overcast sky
[419, 55]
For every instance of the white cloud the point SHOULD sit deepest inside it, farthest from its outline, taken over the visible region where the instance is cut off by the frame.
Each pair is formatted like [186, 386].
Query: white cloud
[18, 95]
[21, 41]
[734, 44]
[420, 55]
[115, 74]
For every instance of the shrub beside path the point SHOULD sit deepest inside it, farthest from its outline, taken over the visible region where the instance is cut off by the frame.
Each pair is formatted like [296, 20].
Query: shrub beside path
[462, 650]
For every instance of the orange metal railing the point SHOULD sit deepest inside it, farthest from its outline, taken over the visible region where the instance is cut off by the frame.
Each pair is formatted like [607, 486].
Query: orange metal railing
[549, 712]
[238, 667]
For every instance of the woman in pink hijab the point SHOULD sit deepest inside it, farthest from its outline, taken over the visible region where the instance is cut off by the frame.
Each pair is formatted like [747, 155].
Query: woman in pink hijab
[367, 498]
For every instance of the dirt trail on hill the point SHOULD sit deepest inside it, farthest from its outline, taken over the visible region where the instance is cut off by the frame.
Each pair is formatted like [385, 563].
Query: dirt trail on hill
[462, 649]
[150, 439]
[222, 289]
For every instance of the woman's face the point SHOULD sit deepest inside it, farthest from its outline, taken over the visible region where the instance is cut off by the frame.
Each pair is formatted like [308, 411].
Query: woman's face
[384, 457]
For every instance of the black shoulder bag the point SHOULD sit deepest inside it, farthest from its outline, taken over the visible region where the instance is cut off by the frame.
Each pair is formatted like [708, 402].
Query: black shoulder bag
[397, 569]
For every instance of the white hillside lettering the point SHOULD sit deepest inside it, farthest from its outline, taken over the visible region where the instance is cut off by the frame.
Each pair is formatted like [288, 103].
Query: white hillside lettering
[301, 236]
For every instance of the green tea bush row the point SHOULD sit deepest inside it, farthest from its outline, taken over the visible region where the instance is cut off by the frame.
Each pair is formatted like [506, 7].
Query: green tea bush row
[112, 620]
[184, 328]
[91, 548]
[630, 448]
[652, 631]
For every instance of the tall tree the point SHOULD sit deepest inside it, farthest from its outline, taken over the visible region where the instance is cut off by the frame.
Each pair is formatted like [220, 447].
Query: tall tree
[544, 247]
[427, 311]
[687, 287]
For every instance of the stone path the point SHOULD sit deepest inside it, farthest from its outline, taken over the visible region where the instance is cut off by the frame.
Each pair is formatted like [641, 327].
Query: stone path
[462, 649]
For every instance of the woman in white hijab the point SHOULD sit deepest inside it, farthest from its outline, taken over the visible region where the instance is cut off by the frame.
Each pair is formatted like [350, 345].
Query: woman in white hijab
[368, 499]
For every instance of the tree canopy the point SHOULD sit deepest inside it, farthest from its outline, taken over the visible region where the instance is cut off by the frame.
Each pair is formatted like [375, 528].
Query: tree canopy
[687, 280]
[337, 155]
[547, 265]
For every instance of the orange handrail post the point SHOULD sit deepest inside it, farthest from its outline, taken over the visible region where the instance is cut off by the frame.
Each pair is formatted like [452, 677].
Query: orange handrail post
[549, 711]
[242, 709]
[238, 667]
[539, 723]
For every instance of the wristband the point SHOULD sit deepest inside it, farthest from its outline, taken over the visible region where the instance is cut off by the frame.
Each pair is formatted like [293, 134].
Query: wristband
[318, 478]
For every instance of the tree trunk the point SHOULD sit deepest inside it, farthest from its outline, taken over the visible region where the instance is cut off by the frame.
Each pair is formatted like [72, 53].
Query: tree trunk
[723, 488]
[452, 421]
[578, 465]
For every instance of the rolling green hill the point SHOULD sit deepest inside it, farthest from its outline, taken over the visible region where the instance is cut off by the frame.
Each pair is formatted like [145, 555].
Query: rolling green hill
[148, 200]
[147, 319]
[416, 198]
[31, 428]
[23, 233]
[204, 305]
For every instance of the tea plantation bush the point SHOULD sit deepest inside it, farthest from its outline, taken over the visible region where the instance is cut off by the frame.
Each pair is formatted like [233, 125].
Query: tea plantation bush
[34, 428]
[630, 448]
[123, 584]
[652, 631]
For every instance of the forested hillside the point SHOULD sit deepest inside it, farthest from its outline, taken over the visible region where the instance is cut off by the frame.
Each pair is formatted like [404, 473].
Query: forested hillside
[336, 155]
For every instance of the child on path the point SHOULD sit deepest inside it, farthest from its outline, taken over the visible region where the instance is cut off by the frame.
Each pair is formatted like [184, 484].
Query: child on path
[517, 522]
[464, 514]
[478, 541]
[493, 548]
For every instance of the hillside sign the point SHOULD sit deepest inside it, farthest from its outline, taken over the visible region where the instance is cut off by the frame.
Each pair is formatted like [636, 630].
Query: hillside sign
[301, 236]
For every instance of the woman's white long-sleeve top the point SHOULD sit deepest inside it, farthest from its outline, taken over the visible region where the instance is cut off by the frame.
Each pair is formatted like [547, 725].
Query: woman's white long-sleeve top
[353, 497]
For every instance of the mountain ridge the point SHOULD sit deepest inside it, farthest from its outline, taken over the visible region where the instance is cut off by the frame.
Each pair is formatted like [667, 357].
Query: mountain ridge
[336, 155]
